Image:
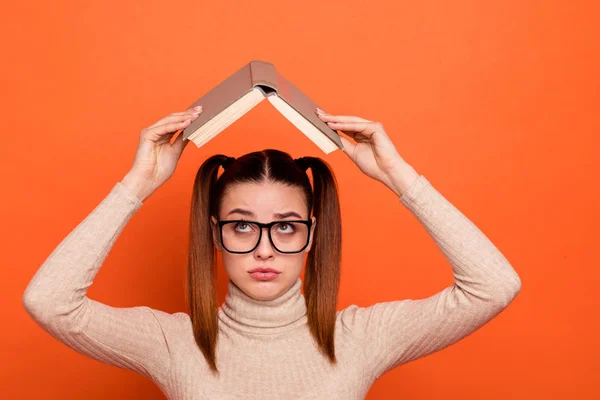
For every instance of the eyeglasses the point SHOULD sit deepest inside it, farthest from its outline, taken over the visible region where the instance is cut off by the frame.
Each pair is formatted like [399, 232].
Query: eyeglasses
[287, 236]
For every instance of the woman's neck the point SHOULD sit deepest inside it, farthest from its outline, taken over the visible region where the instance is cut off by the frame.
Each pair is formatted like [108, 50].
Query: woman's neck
[244, 313]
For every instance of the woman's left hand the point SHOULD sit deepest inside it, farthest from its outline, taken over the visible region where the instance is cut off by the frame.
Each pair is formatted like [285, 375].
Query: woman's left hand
[373, 153]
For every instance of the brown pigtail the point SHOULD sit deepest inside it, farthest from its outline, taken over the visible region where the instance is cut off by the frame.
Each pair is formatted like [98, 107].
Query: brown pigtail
[324, 258]
[202, 272]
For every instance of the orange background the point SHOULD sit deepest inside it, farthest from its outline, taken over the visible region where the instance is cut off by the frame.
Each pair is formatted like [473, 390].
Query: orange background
[496, 104]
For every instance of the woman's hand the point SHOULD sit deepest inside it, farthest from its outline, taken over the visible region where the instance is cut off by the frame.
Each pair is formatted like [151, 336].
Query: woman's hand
[373, 153]
[156, 157]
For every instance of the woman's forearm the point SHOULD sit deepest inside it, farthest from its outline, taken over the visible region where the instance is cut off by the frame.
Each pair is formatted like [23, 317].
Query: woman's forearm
[402, 178]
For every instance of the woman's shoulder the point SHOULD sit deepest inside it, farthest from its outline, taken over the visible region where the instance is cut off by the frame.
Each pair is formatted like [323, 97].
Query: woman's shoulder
[357, 319]
[171, 321]
[350, 318]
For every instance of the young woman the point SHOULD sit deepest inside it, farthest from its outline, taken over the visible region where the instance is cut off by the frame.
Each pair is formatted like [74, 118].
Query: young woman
[268, 340]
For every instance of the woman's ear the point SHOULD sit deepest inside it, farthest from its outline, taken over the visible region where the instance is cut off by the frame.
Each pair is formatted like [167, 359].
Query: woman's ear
[215, 233]
[312, 234]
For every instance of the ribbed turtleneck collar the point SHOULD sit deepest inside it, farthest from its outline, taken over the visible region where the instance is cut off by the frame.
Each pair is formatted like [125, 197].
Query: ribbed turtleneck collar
[244, 313]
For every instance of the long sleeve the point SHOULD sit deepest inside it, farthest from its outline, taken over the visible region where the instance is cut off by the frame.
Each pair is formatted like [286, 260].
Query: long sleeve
[131, 338]
[393, 333]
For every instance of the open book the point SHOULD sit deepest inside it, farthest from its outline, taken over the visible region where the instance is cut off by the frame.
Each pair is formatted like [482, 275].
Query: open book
[240, 92]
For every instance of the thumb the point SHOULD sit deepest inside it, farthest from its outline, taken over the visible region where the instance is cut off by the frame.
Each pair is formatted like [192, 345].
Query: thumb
[179, 144]
[349, 147]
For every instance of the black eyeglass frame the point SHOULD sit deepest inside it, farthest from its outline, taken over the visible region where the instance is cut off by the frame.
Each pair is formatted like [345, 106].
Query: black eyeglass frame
[307, 222]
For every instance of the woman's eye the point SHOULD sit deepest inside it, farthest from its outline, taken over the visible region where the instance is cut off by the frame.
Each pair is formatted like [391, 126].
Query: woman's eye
[242, 225]
[286, 228]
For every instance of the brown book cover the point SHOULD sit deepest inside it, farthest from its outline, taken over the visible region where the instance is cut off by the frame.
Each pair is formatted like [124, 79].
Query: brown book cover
[243, 90]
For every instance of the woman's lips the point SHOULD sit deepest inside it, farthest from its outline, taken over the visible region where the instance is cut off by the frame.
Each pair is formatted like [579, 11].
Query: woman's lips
[264, 276]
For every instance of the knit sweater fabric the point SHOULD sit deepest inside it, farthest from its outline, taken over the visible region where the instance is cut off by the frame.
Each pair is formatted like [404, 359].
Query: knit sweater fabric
[265, 349]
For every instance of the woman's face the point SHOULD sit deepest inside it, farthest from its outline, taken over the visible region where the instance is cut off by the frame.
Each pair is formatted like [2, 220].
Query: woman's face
[262, 203]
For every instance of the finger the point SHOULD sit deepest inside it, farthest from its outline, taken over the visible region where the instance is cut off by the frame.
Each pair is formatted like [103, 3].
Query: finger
[161, 131]
[176, 119]
[192, 109]
[177, 116]
[365, 129]
[342, 118]
[357, 136]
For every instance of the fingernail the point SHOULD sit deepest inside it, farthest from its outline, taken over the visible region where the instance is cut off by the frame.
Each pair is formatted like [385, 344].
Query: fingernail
[198, 108]
[320, 111]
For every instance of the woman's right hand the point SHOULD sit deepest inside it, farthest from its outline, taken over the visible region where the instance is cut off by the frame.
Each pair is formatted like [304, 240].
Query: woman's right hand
[156, 157]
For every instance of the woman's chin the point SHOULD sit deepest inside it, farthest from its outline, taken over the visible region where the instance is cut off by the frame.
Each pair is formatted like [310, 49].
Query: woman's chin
[264, 290]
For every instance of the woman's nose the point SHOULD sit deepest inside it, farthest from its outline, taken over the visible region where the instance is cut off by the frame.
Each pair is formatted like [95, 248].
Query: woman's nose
[264, 248]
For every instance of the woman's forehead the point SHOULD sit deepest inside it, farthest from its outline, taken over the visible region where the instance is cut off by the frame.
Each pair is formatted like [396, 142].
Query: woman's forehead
[264, 200]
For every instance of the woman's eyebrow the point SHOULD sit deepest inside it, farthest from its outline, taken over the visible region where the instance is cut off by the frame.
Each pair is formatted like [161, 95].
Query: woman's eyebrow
[287, 214]
[276, 215]
[241, 211]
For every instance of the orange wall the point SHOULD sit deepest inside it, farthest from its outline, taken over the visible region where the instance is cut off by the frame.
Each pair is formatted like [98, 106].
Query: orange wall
[497, 104]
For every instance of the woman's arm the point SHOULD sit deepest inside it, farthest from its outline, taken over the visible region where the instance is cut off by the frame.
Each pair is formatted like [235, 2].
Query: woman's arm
[133, 338]
[394, 333]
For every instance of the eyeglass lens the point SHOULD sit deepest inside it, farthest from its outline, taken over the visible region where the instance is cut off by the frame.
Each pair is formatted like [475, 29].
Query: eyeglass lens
[243, 236]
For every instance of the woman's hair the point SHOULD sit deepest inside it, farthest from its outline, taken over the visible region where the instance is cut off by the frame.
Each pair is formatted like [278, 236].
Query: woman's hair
[322, 273]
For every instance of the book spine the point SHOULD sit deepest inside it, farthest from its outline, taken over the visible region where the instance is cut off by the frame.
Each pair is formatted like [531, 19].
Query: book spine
[263, 73]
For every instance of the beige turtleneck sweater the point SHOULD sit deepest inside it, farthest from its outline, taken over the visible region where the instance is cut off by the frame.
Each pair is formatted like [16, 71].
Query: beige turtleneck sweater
[265, 350]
